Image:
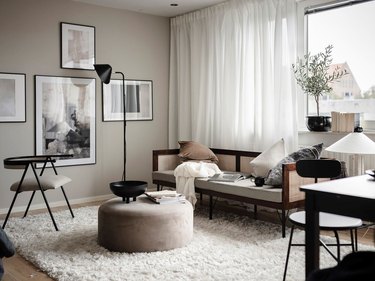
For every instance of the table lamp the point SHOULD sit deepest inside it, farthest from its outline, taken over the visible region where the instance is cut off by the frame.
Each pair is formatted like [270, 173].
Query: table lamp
[357, 144]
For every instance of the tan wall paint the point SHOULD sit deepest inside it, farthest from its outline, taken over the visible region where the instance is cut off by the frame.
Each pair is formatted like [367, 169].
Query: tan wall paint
[137, 45]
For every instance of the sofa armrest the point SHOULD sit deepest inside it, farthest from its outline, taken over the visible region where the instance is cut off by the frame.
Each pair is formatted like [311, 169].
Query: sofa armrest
[292, 182]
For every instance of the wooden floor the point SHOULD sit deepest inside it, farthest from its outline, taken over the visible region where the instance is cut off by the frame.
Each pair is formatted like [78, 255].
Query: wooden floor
[19, 269]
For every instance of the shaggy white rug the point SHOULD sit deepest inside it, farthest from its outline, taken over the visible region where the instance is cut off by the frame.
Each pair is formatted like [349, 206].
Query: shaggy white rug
[229, 247]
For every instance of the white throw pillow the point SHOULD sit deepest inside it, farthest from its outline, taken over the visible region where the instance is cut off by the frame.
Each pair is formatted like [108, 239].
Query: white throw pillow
[264, 162]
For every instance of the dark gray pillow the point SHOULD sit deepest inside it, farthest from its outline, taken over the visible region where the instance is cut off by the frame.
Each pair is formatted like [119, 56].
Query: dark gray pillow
[275, 175]
[6, 246]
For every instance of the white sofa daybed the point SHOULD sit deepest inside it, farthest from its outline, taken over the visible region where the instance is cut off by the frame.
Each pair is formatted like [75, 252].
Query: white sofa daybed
[283, 198]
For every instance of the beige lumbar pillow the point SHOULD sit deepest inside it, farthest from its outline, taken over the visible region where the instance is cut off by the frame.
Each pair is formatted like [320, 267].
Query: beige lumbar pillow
[264, 162]
[191, 150]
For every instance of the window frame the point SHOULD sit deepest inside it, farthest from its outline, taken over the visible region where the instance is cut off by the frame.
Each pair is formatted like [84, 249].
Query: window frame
[302, 43]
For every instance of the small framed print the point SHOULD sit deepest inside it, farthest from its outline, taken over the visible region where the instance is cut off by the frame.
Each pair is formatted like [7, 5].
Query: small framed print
[12, 97]
[65, 118]
[77, 46]
[138, 100]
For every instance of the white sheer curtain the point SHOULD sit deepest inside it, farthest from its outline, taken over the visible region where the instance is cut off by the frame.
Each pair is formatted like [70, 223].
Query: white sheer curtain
[231, 82]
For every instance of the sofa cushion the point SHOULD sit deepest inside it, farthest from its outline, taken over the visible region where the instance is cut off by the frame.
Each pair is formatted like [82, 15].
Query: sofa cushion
[46, 182]
[275, 175]
[264, 162]
[191, 150]
[243, 188]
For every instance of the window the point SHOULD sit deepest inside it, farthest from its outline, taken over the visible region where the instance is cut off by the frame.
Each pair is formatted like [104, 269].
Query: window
[349, 27]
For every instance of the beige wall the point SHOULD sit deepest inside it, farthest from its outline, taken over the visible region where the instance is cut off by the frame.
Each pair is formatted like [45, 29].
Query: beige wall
[133, 43]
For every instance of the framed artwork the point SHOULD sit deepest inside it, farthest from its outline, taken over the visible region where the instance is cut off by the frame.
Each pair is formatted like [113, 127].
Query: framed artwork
[77, 46]
[12, 97]
[65, 118]
[138, 100]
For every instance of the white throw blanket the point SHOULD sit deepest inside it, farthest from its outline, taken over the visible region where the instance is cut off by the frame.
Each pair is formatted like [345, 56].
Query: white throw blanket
[185, 174]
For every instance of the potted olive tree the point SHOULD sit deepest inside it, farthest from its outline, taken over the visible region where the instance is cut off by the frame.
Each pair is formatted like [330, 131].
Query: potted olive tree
[313, 76]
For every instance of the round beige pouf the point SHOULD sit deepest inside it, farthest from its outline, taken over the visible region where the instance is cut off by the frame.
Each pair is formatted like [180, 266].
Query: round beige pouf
[144, 226]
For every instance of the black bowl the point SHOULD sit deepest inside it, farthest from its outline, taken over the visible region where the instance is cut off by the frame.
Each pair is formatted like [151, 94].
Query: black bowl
[127, 189]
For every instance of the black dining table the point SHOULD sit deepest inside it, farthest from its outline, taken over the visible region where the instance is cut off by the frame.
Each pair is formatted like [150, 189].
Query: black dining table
[351, 196]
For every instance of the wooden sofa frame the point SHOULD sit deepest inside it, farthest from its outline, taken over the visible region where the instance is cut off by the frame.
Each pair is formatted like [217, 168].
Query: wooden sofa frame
[292, 197]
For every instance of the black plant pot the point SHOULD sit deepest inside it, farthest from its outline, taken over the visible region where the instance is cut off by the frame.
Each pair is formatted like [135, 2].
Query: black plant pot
[127, 189]
[318, 123]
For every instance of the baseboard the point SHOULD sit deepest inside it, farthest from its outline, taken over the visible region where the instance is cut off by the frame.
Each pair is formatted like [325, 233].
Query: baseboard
[59, 203]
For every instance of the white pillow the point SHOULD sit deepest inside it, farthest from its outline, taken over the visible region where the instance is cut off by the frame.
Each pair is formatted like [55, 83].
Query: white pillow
[264, 162]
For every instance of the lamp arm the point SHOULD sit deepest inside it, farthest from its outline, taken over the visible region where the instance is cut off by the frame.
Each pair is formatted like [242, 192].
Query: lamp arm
[124, 114]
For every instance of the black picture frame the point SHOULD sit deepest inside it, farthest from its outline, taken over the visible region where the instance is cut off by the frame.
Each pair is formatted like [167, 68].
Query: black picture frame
[77, 46]
[139, 105]
[65, 118]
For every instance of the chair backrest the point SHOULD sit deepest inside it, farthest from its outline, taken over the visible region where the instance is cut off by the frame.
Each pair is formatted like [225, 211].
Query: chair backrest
[318, 168]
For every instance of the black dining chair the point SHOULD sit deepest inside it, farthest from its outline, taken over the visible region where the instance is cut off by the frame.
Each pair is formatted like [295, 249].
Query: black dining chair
[323, 169]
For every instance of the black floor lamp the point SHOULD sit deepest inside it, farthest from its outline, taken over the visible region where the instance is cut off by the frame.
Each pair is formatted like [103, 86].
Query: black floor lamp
[123, 188]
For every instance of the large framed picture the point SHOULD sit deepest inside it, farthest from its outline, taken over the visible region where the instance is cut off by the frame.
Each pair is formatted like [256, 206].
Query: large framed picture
[12, 97]
[138, 100]
[65, 118]
[77, 46]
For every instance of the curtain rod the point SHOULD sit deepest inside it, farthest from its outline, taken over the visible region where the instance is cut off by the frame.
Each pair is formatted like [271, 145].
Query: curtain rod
[333, 5]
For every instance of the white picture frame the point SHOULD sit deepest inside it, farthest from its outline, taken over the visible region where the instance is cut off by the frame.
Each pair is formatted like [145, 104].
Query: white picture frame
[12, 97]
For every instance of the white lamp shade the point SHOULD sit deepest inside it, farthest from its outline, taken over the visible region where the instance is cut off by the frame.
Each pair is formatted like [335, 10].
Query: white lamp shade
[353, 143]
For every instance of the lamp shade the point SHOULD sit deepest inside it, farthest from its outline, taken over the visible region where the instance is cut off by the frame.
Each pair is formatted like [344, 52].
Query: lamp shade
[104, 72]
[353, 143]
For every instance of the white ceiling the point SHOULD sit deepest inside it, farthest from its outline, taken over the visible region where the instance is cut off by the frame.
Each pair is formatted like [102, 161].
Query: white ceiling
[155, 7]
